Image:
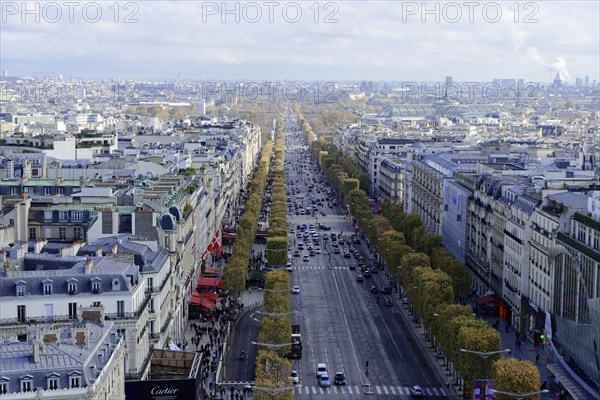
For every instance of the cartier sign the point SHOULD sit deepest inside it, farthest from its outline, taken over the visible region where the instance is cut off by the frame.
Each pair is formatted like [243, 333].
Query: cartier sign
[159, 390]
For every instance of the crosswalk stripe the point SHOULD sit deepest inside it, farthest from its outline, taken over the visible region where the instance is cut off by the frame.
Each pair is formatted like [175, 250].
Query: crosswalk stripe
[314, 390]
[392, 390]
[321, 390]
[335, 389]
[350, 389]
[378, 389]
[385, 390]
[428, 391]
[435, 391]
[357, 388]
[402, 390]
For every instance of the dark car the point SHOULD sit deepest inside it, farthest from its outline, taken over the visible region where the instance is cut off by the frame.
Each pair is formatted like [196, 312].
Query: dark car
[359, 278]
[367, 274]
[374, 270]
[386, 290]
[363, 268]
[374, 289]
[339, 378]
[388, 303]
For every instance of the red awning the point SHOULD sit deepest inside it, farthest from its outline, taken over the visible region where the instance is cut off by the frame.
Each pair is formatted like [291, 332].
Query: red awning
[209, 296]
[230, 236]
[207, 304]
[209, 282]
[488, 300]
[196, 299]
[211, 272]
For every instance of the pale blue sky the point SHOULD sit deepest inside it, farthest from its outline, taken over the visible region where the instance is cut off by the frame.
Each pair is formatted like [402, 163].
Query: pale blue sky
[344, 40]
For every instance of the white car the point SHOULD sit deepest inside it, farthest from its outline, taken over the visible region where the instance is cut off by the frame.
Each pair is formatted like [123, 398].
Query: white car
[289, 267]
[318, 250]
[295, 377]
[296, 290]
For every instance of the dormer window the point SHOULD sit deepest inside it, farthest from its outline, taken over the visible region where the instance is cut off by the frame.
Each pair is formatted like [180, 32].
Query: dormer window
[63, 215]
[96, 285]
[47, 286]
[74, 379]
[21, 288]
[72, 286]
[4, 380]
[26, 383]
[53, 381]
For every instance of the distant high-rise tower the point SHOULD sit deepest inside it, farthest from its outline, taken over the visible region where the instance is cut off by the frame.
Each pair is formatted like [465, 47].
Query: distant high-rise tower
[558, 80]
[60, 77]
[587, 81]
[578, 82]
[5, 73]
[448, 80]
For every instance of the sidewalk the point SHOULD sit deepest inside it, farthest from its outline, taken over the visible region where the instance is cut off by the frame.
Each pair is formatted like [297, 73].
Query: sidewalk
[212, 333]
[522, 348]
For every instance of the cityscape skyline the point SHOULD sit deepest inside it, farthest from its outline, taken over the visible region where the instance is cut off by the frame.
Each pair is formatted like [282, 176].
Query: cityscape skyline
[475, 41]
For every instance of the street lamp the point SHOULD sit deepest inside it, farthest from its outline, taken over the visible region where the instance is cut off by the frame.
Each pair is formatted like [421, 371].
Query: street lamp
[272, 345]
[272, 391]
[268, 314]
[485, 355]
[518, 396]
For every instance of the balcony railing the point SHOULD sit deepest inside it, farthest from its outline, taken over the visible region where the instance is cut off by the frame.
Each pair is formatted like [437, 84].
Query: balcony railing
[129, 315]
[35, 320]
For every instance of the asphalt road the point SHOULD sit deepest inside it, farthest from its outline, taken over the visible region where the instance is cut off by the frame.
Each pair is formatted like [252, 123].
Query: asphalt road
[245, 331]
[342, 324]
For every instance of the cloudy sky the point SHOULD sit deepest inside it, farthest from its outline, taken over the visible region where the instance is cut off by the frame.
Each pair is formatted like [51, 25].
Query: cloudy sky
[302, 40]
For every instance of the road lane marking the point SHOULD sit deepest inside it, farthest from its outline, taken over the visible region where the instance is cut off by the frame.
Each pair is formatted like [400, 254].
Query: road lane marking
[385, 390]
[350, 389]
[392, 389]
[378, 389]
[321, 390]
[435, 391]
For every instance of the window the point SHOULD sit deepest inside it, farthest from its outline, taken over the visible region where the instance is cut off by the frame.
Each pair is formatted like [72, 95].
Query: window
[60, 190]
[47, 191]
[21, 287]
[96, 286]
[73, 382]
[77, 215]
[121, 332]
[62, 233]
[48, 215]
[72, 286]
[32, 234]
[14, 191]
[53, 382]
[72, 310]
[121, 308]
[63, 215]
[26, 385]
[77, 233]
[47, 288]
[21, 313]
[3, 387]
[97, 304]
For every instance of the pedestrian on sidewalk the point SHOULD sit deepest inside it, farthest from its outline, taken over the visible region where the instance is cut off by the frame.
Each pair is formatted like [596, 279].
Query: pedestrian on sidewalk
[537, 358]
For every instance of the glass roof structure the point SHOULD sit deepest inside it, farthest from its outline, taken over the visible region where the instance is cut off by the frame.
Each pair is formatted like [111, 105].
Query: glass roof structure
[400, 111]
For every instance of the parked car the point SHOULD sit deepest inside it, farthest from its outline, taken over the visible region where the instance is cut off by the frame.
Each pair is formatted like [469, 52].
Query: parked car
[386, 290]
[360, 278]
[296, 290]
[388, 303]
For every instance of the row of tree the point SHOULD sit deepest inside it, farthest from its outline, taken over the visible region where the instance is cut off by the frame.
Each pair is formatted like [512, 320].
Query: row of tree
[431, 278]
[236, 268]
[272, 367]
[277, 242]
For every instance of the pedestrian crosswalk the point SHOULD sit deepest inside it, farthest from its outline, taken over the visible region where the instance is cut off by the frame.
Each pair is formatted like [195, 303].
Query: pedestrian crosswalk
[355, 390]
[338, 216]
[319, 267]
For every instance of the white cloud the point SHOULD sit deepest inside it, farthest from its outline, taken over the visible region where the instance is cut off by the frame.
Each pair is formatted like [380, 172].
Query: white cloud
[376, 38]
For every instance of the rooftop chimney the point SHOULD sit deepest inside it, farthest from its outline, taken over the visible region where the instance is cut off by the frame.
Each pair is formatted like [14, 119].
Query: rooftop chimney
[115, 248]
[36, 350]
[39, 245]
[98, 251]
[89, 264]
